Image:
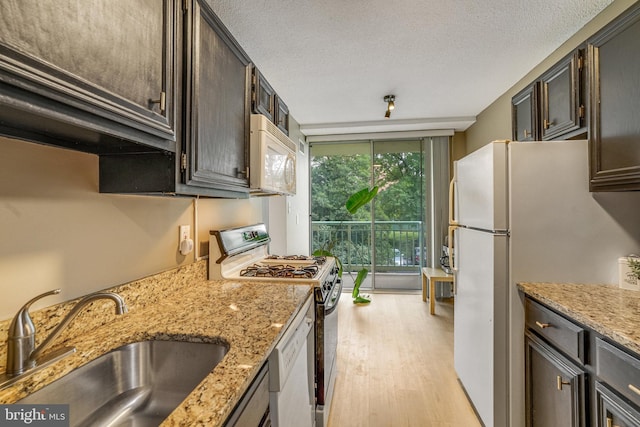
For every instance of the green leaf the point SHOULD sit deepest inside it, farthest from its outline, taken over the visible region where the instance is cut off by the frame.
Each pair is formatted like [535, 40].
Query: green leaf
[339, 266]
[322, 252]
[362, 274]
[361, 300]
[360, 198]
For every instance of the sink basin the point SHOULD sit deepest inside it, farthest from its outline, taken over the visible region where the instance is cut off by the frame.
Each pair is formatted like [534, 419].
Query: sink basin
[137, 384]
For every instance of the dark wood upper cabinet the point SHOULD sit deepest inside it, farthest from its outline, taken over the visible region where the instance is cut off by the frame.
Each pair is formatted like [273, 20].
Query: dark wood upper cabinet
[262, 96]
[92, 75]
[212, 155]
[524, 110]
[264, 100]
[562, 108]
[159, 89]
[282, 115]
[615, 102]
[217, 107]
[553, 106]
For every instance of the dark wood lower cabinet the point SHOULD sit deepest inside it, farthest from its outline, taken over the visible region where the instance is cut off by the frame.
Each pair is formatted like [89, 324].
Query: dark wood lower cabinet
[614, 411]
[555, 387]
[597, 387]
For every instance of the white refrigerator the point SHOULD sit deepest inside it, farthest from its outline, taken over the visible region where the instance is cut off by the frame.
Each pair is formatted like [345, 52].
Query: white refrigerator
[522, 211]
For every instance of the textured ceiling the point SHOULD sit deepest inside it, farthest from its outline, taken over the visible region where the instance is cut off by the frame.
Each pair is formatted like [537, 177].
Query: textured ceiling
[332, 61]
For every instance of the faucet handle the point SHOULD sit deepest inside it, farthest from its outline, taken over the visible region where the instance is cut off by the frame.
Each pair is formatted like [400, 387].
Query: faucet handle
[22, 338]
[22, 325]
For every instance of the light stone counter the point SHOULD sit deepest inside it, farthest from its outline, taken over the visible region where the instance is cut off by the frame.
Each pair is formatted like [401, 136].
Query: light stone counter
[181, 304]
[607, 309]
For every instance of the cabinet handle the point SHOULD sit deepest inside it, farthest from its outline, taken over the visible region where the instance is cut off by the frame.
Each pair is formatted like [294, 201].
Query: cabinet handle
[610, 422]
[547, 124]
[162, 101]
[543, 325]
[526, 133]
[634, 389]
[560, 383]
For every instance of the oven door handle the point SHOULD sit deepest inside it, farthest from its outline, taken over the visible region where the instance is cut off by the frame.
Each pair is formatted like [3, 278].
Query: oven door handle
[332, 307]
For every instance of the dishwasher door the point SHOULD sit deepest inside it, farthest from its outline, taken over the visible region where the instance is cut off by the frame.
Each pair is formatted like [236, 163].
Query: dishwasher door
[253, 408]
[290, 395]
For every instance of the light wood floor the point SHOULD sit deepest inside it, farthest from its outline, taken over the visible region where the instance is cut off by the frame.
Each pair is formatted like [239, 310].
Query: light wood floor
[395, 366]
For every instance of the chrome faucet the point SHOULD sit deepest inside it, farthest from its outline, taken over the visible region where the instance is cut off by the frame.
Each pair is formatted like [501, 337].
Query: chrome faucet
[22, 354]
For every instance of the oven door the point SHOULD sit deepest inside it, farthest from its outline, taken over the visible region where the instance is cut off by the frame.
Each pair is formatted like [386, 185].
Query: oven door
[331, 304]
[326, 343]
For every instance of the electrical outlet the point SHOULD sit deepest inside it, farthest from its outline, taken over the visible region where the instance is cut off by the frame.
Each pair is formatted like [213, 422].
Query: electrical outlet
[185, 244]
[185, 232]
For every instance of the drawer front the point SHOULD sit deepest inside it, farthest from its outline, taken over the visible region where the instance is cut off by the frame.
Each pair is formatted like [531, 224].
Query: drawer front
[619, 369]
[563, 333]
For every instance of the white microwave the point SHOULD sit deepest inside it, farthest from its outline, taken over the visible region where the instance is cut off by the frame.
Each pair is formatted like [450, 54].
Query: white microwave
[272, 166]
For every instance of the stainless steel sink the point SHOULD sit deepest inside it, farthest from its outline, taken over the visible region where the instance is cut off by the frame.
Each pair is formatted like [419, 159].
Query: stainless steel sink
[138, 384]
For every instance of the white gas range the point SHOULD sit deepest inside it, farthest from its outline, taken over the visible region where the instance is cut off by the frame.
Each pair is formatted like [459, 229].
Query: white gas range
[242, 254]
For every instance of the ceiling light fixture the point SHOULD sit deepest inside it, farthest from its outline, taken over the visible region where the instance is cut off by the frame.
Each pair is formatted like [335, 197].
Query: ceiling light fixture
[389, 99]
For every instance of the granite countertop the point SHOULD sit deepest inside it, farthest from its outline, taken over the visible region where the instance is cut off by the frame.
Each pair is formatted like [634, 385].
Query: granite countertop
[247, 316]
[607, 309]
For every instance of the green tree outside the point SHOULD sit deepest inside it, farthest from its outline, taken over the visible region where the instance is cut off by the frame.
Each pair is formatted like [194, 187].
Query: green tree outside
[335, 177]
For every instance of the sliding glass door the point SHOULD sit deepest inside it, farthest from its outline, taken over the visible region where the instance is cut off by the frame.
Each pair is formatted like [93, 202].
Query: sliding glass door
[386, 237]
[398, 214]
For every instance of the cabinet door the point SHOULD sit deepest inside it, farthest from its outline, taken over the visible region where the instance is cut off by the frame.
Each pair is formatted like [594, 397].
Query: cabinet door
[562, 110]
[282, 115]
[613, 411]
[554, 387]
[217, 105]
[524, 110]
[614, 130]
[106, 65]
[262, 96]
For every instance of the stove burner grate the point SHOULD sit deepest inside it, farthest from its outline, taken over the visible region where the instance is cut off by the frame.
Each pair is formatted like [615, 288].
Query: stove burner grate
[281, 271]
[319, 260]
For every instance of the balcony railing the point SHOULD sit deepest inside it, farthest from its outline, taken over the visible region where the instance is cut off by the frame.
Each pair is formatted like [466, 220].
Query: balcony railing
[398, 244]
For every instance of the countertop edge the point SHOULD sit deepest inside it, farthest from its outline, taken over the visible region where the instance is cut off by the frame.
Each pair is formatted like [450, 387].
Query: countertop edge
[607, 309]
[250, 316]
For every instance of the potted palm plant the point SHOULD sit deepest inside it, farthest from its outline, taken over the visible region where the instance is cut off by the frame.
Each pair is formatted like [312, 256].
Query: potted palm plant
[356, 201]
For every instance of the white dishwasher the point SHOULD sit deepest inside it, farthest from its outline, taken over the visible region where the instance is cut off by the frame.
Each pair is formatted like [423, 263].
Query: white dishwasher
[291, 376]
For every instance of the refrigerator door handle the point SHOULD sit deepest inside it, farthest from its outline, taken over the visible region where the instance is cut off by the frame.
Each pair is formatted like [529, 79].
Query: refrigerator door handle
[452, 191]
[452, 258]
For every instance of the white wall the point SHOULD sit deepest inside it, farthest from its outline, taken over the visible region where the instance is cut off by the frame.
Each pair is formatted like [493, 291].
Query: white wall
[298, 207]
[288, 218]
